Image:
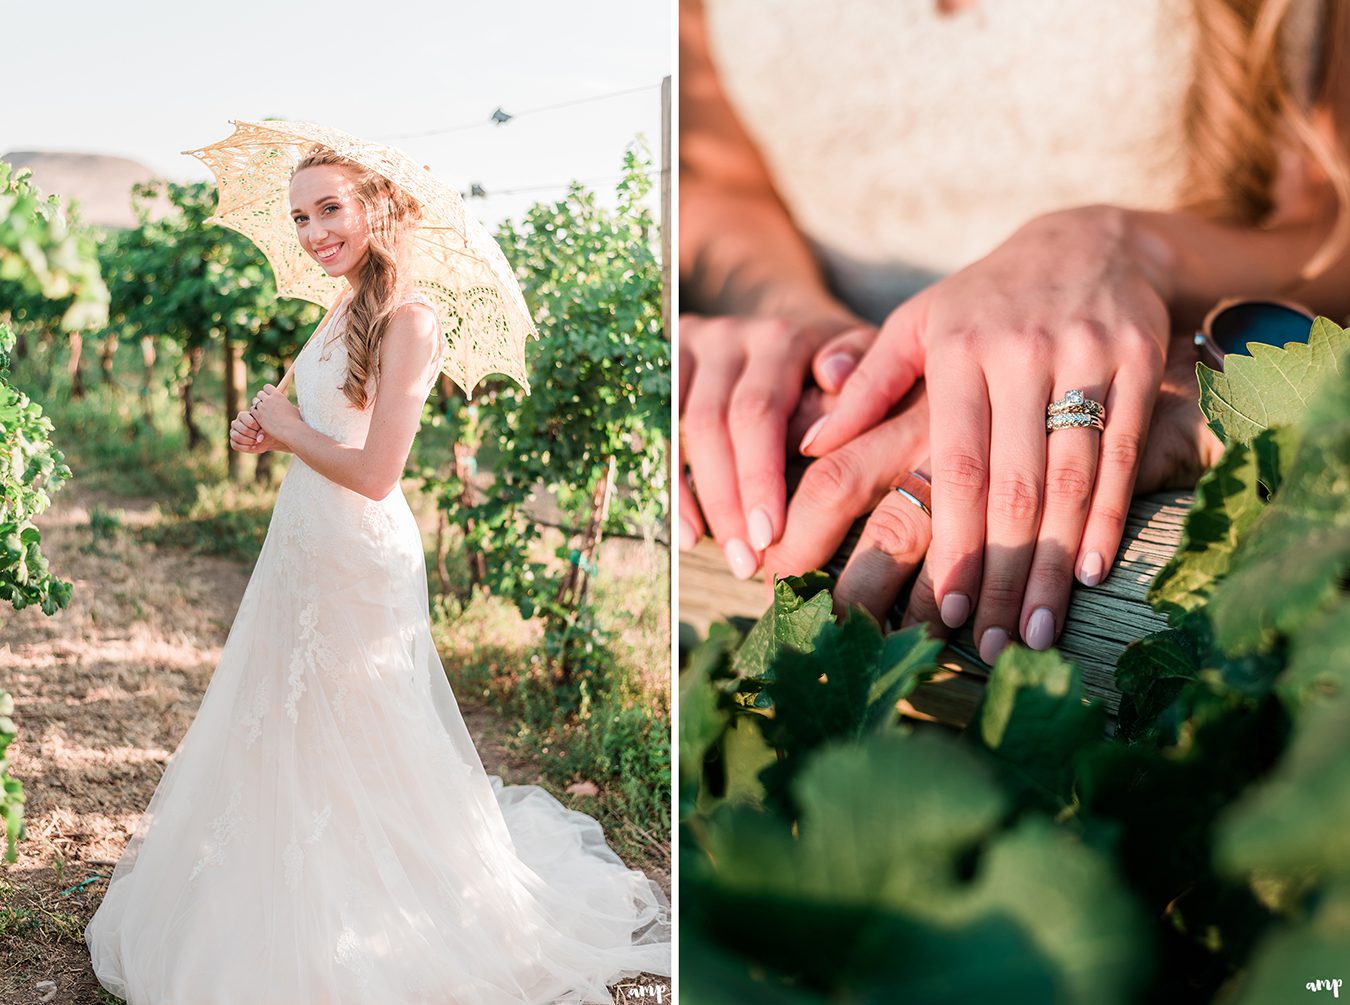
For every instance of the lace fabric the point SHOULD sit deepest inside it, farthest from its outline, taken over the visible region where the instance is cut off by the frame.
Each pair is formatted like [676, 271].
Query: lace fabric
[453, 259]
[325, 832]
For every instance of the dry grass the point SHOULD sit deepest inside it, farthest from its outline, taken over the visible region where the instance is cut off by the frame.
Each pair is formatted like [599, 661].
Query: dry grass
[104, 692]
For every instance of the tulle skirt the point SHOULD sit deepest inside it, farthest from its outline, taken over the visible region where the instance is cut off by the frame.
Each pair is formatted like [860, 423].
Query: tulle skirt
[325, 832]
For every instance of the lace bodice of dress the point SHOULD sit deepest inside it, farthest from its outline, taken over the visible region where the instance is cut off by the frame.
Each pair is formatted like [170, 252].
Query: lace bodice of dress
[320, 372]
[907, 144]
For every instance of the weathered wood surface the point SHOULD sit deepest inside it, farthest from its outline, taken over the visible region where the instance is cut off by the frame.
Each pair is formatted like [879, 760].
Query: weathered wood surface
[1102, 620]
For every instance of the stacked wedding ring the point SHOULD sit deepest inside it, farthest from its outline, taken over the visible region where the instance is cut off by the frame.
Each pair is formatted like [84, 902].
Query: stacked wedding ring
[1075, 411]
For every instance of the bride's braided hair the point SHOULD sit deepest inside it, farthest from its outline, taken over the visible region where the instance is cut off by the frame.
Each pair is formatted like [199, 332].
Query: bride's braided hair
[390, 214]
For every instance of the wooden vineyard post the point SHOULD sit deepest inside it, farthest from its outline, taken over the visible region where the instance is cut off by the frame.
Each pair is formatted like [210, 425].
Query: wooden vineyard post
[234, 380]
[73, 365]
[148, 358]
[572, 593]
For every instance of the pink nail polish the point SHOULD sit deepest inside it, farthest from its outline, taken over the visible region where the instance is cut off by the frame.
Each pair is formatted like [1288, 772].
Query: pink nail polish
[741, 559]
[1091, 573]
[992, 642]
[955, 609]
[761, 528]
[1041, 628]
[812, 433]
[688, 535]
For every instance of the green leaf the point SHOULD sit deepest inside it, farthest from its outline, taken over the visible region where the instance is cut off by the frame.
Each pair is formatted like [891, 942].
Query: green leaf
[702, 717]
[901, 887]
[1272, 386]
[1298, 820]
[1227, 503]
[1291, 959]
[1033, 720]
[801, 608]
[1293, 559]
[1151, 672]
[843, 688]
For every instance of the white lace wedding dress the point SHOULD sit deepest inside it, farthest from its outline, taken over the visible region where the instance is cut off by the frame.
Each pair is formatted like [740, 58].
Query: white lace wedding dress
[325, 833]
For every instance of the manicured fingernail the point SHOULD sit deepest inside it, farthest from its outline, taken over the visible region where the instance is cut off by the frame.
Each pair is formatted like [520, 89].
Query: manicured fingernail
[761, 528]
[991, 644]
[955, 609]
[740, 558]
[835, 370]
[688, 535]
[812, 433]
[1091, 572]
[1041, 628]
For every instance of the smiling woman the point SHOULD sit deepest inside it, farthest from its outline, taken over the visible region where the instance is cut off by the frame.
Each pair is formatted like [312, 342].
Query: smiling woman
[326, 832]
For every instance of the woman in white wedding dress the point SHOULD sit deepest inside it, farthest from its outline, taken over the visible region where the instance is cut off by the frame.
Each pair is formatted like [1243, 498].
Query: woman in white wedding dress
[325, 833]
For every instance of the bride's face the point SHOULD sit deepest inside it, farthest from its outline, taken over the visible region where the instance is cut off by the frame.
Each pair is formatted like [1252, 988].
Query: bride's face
[329, 218]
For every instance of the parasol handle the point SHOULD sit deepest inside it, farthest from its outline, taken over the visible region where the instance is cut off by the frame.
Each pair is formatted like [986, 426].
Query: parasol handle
[289, 376]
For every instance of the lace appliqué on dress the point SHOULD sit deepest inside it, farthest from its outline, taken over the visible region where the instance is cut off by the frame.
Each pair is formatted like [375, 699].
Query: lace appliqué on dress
[223, 829]
[293, 859]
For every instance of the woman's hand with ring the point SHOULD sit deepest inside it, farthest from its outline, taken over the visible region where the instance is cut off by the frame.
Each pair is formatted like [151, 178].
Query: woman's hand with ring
[274, 414]
[248, 437]
[857, 480]
[1067, 302]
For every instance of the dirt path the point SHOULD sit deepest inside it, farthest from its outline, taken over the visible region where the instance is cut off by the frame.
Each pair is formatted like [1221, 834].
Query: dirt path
[104, 691]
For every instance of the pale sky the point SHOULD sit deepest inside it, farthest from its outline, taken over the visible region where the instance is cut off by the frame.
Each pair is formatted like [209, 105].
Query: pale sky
[146, 80]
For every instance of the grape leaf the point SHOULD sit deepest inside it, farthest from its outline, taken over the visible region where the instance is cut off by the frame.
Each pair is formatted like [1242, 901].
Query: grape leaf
[879, 897]
[1272, 386]
[801, 607]
[1292, 559]
[1296, 957]
[1151, 673]
[1297, 820]
[702, 717]
[1032, 719]
[843, 688]
[1227, 503]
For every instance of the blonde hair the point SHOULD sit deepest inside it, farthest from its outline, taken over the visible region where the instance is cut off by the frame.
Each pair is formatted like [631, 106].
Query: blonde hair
[1242, 113]
[390, 214]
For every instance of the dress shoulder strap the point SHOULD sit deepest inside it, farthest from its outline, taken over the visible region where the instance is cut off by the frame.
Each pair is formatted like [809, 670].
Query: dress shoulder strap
[416, 296]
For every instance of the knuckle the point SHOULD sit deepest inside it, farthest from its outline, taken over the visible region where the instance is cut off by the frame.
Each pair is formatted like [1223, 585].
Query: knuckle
[1016, 498]
[753, 406]
[832, 479]
[1122, 451]
[704, 423]
[1050, 580]
[1071, 483]
[1109, 513]
[962, 477]
[1029, 341]
[772, 329]
[1000, 592]
[1089, 333]
[896, 533]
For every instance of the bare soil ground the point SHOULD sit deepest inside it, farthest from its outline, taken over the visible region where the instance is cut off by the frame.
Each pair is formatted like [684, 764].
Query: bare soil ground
[104, 692]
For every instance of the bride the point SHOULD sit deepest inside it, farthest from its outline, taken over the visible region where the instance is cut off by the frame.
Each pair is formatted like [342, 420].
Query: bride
[325, 832]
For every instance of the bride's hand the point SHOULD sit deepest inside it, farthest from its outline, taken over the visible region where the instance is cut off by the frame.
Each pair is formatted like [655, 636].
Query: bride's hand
[1068, 302]
[275, 413]
[248, 437]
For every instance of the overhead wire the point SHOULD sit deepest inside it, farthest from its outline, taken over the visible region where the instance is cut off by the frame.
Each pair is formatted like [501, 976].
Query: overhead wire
[511, 116]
